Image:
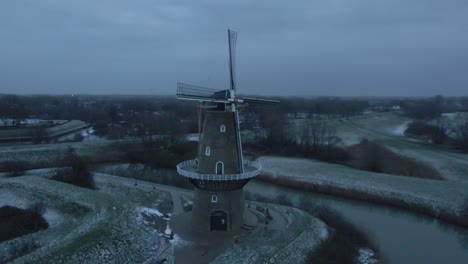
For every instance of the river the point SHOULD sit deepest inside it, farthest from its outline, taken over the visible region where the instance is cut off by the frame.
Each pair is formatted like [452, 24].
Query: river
[402, 236]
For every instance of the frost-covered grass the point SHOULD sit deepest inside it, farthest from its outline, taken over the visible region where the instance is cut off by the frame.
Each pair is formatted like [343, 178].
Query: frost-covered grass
[437, 198]
[91, 226]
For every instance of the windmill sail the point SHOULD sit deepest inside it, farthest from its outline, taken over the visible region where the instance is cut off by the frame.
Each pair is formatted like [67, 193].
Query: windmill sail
[259, 101]
[232, 37]
[198, 93]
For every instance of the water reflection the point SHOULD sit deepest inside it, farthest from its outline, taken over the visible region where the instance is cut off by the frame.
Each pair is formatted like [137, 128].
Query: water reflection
[403, 236]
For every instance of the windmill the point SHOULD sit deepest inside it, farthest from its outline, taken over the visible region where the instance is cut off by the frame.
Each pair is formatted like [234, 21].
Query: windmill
[219, 172]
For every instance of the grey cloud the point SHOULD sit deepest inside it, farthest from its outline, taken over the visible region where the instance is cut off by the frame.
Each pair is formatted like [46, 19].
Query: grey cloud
[323, 47]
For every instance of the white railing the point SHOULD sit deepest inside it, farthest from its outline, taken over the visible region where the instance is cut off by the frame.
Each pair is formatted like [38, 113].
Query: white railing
[188, 169]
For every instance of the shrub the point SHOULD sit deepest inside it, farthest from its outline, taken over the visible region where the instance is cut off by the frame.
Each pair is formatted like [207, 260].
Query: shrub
[78, 137]
[38, 134]
[436, 134]
[38, 208]
[14, 168]
[15, 222]
[77, 173]
[371, 156]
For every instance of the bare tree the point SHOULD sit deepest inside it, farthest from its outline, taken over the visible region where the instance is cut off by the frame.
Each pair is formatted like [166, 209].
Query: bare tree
[11, 107]
[439, 134]
[276, 124]
[38, 134]
[318, 134]
[461, 133]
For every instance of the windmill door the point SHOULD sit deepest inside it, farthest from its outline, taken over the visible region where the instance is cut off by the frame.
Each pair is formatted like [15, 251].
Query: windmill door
[218, 221]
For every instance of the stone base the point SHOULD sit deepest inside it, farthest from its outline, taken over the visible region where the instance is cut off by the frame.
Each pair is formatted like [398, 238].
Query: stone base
[217, 211]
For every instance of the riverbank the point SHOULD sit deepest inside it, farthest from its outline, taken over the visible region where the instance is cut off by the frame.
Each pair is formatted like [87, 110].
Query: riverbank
[439, 199]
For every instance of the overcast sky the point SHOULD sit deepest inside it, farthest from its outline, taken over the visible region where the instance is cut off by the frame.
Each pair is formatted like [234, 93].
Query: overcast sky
[290, 47]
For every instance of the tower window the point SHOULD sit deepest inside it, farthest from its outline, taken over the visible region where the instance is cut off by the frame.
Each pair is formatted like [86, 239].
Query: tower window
[214, 199]
[222, 128]
[207, 151]
[219, 167]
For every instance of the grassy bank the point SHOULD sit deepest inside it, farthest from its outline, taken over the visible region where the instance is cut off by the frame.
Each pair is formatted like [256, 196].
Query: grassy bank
[440, 199]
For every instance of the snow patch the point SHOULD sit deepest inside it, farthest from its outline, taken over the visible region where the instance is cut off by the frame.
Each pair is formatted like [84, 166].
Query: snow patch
[366, 256]
[168, 230]
[12, 199]
[451, 115]
[400, 130]
[150, 211]
[192, 137]
[177, 241]
[53, 217]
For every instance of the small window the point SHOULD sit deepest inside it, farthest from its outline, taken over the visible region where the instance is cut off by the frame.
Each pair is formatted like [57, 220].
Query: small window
[214, 199]
[207, 151]
[219, 167]
[196, 164]
[222, 128]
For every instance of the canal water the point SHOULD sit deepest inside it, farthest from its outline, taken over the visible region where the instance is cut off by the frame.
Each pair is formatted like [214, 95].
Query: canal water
[402, 236]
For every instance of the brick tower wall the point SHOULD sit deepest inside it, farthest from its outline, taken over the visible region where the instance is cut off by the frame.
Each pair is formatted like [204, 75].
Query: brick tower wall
[223, 145]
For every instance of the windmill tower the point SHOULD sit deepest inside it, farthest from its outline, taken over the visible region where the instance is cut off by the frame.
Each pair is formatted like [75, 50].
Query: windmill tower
[219, 172]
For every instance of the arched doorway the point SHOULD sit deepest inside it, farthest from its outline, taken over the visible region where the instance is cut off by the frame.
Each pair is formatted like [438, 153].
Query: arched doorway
[219, 167]
[218, 221]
